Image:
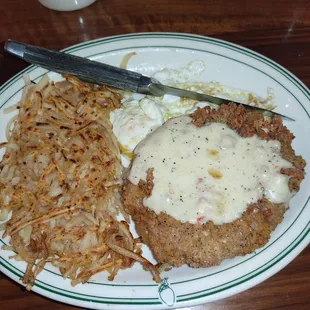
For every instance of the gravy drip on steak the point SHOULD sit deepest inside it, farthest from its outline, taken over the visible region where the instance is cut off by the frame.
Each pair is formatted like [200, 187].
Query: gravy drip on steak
[209, 173]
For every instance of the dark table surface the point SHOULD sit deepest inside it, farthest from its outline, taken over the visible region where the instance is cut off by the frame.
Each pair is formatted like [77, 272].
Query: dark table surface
[278, 29]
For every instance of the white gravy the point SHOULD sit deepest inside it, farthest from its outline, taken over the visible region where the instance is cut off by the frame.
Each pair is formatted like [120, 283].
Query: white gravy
[208, 173]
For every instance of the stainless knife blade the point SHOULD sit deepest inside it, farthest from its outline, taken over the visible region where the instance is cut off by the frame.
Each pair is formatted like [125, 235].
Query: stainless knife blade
[214, 100]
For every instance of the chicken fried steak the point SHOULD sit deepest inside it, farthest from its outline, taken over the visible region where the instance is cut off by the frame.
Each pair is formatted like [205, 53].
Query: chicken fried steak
[230, 208]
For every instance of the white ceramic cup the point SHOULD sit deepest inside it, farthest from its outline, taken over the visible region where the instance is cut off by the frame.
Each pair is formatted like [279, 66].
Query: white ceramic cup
[66, 5]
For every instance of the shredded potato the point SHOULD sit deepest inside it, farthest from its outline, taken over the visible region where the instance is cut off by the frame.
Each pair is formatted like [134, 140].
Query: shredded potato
[60, 179]
[126, 59]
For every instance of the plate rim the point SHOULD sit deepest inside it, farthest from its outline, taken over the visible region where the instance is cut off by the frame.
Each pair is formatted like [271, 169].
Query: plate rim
[237, 48]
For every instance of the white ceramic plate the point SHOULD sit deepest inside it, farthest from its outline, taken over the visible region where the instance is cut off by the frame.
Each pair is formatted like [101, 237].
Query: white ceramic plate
[232, 66]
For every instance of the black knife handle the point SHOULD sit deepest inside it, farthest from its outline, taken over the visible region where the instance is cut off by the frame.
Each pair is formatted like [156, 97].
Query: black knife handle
[85, 69]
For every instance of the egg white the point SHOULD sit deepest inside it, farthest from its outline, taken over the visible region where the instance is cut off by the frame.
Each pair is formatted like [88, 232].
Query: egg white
[142, 114]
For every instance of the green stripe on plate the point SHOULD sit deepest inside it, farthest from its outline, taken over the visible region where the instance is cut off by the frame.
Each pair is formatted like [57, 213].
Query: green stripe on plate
[247, 277]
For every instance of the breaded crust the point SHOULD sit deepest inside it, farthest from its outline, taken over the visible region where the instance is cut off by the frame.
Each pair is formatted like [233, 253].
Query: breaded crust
[208, 244]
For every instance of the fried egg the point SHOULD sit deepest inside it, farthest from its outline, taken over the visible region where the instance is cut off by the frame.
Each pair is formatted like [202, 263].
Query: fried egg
[142, 114]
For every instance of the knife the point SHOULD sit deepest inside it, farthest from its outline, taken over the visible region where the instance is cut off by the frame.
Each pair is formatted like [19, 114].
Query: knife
[100, 73]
